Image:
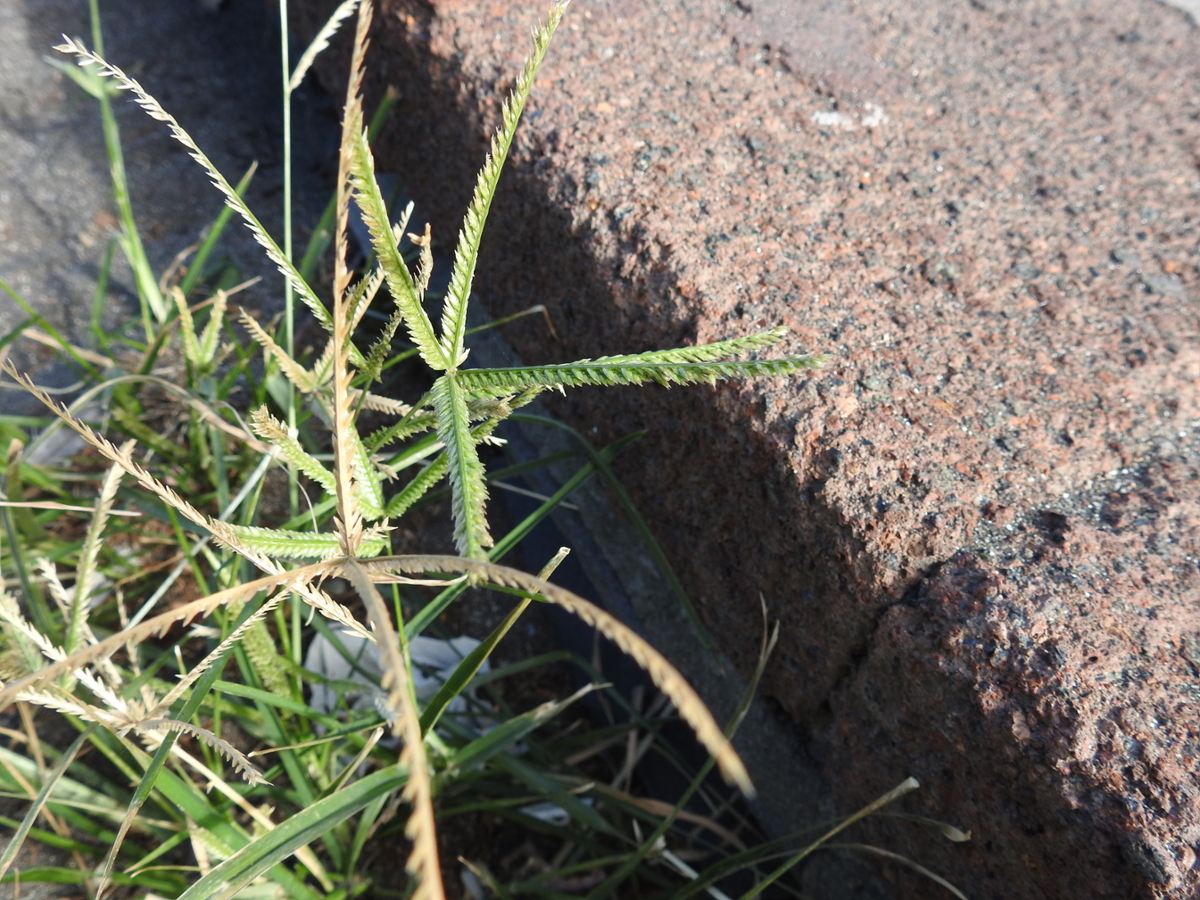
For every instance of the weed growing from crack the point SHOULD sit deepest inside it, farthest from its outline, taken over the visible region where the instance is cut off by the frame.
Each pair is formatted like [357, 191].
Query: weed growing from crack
[247, 573]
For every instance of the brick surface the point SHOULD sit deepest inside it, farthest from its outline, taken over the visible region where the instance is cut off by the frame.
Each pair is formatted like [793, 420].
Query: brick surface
[979, 522]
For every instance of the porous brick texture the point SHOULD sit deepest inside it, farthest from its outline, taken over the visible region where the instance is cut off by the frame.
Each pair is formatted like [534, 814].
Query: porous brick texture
[979, 523]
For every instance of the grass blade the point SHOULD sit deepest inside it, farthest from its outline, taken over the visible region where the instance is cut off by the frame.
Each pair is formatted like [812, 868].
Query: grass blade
[40, 320]
[18, 838]
[226, 879]
[904, 861]
[909, 784]
[665, 677]
[466, 670]
[196, 269]
[507, 733]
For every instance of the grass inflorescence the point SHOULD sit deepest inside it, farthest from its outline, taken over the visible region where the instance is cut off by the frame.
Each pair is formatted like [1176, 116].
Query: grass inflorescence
[165, 601]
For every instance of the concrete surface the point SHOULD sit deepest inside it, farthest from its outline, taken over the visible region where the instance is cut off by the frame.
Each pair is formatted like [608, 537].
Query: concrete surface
[979, 524]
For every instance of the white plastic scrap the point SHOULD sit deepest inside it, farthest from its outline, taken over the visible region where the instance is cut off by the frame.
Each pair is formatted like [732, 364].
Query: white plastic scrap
[471, 884]
[550, 813]
[433, 660]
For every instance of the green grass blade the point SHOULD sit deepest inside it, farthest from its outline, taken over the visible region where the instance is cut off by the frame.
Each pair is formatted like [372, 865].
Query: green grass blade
[226, 879]
[35, 810]
[196, 269]
[422, 620]
[466, 670]
[524, 665]
[507, 733]
[364, 829]
[155, 881]
[538, 779]
[904, 861]
[130, 240]
[100, 295]
[66, 789]
[50, 839]
[287, 704]
[41, 322]
[909, 784]
[17, 547]
[141, 794]
[12, 336]
[454, 312]
[319, 242]
[470, 665]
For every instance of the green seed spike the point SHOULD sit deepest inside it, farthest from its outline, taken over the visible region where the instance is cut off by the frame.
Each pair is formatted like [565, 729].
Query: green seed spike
[454, 313]
[468, 489]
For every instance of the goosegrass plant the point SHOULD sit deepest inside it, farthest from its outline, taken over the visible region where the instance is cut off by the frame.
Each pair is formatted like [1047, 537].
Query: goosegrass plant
[159, 791]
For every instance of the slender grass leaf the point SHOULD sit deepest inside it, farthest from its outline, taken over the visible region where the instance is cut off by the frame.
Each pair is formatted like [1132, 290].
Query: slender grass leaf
[470, 665]
[66, 789]
[40, 320]
[195, 269]
[909, 784]
[507, 733]
[155, 881]
[226, 879]
[904, 861]
[52, 777]
[539, 780]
